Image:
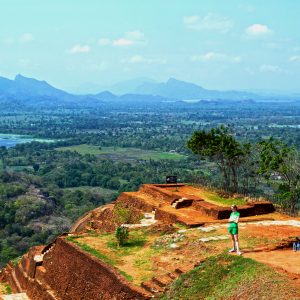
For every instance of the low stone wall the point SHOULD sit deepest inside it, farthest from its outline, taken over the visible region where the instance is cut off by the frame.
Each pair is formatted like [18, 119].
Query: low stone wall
[159, 193]
[207, 209]
[18, 276]
[132, 200]
[8, 275]
[68, 273]
[165, 216]
[222, 212]
[263, 207]
[76, 275]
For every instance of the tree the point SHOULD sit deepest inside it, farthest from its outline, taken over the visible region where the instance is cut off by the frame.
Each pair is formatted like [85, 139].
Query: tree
[122, 235]
[219, 146]
[35, 167]
[280, 164]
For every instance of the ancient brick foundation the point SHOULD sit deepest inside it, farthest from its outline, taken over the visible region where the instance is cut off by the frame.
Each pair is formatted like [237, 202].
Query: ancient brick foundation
[66, 272]
[62, 271]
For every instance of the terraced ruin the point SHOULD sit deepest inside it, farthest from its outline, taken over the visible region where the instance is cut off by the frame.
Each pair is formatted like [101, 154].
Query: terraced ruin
[178, 229]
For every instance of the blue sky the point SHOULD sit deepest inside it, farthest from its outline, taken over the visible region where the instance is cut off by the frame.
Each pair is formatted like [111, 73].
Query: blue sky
[83, 45]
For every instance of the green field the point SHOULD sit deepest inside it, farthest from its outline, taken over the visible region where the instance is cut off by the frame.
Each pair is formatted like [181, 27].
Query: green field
[125, 154]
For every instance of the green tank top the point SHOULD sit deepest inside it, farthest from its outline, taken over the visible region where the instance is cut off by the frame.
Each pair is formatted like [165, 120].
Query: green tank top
[234, 215]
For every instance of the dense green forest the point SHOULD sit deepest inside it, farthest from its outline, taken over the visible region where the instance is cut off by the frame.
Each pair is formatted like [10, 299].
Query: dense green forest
[94, 154]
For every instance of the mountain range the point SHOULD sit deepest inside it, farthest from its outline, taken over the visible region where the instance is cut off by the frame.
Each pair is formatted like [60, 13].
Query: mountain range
[181, 90]
[31, 92]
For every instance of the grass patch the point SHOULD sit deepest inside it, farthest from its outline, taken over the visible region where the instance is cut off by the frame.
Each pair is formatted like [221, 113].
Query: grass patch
[136, 241]
[91, 250]
[124, 154]
[5, 288]
[229, 277]
[134, 260]
[180, 226]
[16, 260]
[8, 289]
[213, 197]
[127, 276]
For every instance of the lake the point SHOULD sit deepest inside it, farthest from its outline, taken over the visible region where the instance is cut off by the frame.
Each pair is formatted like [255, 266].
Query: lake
[10, 140]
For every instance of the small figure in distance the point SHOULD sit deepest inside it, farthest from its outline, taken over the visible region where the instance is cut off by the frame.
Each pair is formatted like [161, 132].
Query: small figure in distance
[234, 230]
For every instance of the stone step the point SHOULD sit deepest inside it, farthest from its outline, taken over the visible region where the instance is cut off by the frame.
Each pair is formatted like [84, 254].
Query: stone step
[162, 280]
[19, 296]
[152, 287]
[199, 262]
[173, 275]
[184, 269]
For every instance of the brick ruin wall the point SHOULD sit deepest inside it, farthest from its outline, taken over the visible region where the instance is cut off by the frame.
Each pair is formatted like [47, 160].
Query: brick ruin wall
[74, 274]
[67, 273]
[159, 193]
[130, 199]
[167, 197]
[221, 212]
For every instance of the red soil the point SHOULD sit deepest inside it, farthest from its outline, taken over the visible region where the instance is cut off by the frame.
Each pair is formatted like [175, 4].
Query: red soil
[282, 260]
[272, 231]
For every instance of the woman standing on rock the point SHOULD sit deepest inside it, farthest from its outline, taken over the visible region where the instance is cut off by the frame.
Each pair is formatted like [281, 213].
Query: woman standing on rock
[234, 230]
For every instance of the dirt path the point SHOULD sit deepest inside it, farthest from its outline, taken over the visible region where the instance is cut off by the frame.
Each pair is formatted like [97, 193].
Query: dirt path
[287, 259]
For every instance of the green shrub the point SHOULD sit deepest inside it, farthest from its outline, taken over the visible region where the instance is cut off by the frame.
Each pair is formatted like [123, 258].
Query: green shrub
[122, 235]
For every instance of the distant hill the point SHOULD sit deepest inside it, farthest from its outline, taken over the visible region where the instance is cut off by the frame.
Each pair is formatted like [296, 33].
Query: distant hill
[30, 92]
[24, 86]
[181, 90]
[24, 91]
[130, 86]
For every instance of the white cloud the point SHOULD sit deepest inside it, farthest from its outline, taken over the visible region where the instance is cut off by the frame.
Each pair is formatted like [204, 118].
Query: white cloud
[103, 42]
[269, 68]
[130, 38]
[295, 58]
[80, 49]
[136, 59]
[139, 59]
[216, 56]
[210, 22]
[258, 30]
[123, 42]
[26, 38]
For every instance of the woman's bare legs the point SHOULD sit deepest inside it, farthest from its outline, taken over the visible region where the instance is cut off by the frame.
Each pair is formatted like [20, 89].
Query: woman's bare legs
[233, 243]
[236, 239]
